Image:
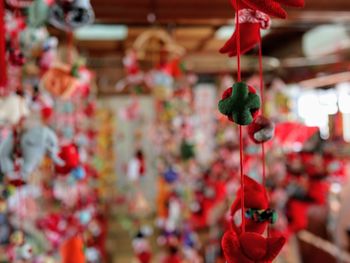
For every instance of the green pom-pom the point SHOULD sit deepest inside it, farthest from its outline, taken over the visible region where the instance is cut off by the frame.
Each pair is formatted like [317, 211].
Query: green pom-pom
[187, 150]
[240, 104]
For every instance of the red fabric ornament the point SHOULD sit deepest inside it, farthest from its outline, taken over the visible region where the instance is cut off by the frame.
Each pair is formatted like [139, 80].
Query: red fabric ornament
[250, 247]
[253, 15]
[70, 155]
[255, 197]
[261, 130]
[72, 251]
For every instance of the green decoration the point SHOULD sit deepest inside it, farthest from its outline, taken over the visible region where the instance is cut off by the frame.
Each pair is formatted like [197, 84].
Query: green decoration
[240, 104]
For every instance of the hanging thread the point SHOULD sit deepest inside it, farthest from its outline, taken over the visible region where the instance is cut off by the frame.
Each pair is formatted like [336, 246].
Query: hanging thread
[240, 127]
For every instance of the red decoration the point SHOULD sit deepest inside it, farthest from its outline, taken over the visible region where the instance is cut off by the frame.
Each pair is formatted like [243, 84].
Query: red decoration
[250, 247]
[70, 155]
[255, 197]
[261, 130]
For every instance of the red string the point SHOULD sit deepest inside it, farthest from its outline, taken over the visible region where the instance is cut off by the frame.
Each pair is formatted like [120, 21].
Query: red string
[242, 177]
[240, 127]
[3, 71]
[263, 158]
[261, 75]
[238, 44]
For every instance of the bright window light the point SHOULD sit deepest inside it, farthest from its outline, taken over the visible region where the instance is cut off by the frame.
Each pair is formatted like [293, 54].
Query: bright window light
[226, 32]
[102, 32]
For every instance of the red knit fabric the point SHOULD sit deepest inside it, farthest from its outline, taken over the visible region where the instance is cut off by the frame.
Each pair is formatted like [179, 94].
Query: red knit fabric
[250, 247]
[248, 41]
[255, 197]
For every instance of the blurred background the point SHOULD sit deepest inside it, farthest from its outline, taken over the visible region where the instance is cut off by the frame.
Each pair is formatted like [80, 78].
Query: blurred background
[152, 167]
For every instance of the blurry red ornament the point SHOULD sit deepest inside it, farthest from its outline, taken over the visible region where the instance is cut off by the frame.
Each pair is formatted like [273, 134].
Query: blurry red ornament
[70, 155]
[261, 130]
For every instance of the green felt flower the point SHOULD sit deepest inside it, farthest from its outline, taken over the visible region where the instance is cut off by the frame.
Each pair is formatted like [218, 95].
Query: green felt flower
[240, 104]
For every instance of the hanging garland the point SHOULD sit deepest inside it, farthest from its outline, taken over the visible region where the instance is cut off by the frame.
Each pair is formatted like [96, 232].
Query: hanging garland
[241, 105]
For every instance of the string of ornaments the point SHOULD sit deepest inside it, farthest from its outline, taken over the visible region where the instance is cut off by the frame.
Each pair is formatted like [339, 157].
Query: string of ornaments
[242, 105]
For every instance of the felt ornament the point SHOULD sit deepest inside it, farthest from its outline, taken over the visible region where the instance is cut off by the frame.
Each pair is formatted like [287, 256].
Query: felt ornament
[250, 21]
[252, 17]
[72, 251]
[240, 104]
[70, 156]
[261, 215]
[34, 143]
[38, 13]
[255, 197]
[250, 247]
[13, 108]
[59, 81]
[71, 15]
[261, 130]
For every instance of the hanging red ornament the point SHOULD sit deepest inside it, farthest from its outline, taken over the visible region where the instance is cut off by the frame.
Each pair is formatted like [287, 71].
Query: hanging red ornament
[261, 129]
[254, 16]
[255, 197]
[250, 247]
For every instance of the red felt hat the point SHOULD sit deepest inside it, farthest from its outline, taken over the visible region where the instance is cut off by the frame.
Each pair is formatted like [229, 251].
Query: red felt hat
[255, 197]
[250, 247]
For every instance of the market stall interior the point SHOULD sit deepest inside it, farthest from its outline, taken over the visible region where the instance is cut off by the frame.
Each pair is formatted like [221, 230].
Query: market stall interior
[173, 131]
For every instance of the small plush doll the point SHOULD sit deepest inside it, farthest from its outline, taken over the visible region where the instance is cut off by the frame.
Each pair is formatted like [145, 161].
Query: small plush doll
[261, 130]
[253, 16]
[33, 144]
[69, 15]
[240, 104]
[257, 212]
[60, 81]
[250, 247]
